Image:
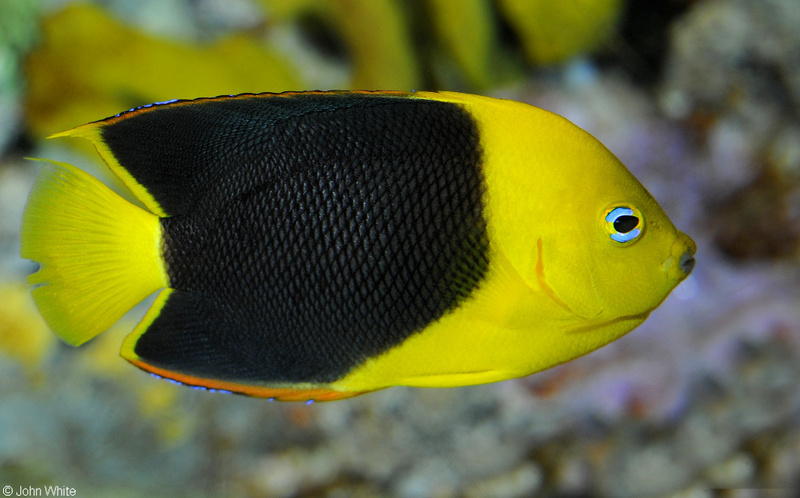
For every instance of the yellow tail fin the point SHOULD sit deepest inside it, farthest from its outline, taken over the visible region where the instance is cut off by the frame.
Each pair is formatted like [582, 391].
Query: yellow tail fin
[99, 254]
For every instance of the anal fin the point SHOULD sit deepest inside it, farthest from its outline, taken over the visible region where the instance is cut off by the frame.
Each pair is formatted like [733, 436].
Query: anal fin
[183, 338]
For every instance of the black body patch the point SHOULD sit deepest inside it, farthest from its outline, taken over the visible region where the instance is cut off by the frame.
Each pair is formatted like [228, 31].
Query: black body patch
[310, 232]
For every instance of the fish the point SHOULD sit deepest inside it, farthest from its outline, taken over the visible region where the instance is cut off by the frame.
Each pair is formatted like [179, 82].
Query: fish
[321, 245]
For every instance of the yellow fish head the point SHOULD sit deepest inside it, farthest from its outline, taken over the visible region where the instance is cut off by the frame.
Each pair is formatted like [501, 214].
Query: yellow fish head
[573, 221]
[636, 256]
[609, 251]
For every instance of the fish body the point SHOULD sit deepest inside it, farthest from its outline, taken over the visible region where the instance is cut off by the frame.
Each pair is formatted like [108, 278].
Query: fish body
[320, 245]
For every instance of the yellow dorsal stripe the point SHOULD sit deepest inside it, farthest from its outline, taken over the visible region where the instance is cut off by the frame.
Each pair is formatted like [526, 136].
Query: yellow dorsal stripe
[91, 132]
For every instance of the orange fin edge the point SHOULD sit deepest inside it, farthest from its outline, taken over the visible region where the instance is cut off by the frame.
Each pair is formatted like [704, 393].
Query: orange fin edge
[273, 393]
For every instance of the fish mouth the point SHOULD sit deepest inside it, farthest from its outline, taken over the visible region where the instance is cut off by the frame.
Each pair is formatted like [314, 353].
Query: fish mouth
[686, 263]
[680, 262]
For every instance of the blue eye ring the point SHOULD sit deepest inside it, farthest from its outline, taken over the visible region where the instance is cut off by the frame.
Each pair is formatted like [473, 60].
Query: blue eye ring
[624, 224]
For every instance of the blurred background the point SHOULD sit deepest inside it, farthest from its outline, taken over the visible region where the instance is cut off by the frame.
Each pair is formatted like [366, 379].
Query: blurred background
[700, 99]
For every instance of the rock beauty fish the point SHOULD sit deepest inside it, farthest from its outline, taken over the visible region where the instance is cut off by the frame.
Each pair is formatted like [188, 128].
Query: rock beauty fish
[321, 245]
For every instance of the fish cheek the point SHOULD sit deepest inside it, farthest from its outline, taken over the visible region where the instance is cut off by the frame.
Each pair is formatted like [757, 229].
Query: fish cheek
[564, 272]
[629, 279]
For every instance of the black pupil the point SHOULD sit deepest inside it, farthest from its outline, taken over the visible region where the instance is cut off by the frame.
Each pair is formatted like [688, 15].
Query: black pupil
[625, 223]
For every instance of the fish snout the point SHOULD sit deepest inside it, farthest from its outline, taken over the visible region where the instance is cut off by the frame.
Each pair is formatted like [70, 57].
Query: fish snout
[686, 263]
[681, 261]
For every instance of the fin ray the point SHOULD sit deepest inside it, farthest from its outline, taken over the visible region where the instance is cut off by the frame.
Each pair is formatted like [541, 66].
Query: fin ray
[99, 254]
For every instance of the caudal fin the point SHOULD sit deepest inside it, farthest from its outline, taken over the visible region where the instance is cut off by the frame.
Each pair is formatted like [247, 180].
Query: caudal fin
[99, 254]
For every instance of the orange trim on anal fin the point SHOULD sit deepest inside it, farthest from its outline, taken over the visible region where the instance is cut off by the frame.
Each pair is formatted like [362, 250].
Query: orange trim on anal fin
[279, 393]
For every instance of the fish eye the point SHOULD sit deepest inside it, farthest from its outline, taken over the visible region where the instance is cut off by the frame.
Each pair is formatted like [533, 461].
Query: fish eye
[624, 223]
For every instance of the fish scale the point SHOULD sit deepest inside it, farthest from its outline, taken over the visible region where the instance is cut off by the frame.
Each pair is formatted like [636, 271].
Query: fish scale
[410, 304]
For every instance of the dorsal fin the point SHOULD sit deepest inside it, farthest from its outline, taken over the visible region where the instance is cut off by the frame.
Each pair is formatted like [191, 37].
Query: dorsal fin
[171, 154]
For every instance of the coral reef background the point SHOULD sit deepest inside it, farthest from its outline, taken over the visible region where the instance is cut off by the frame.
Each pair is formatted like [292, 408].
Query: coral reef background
[700, 99]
